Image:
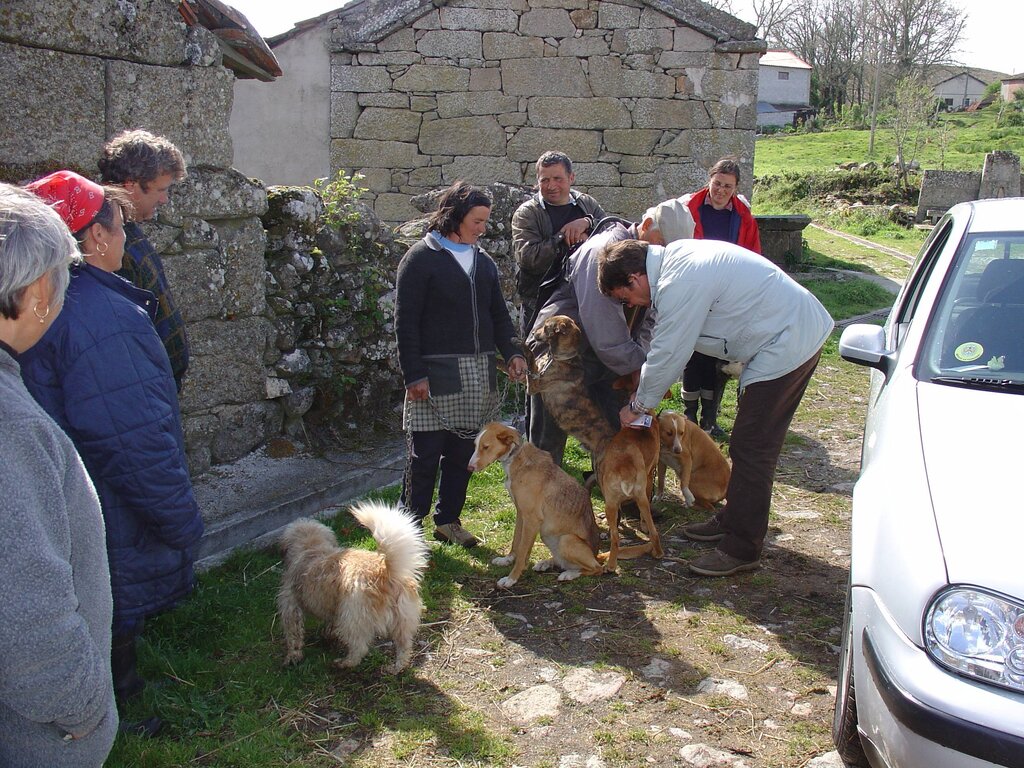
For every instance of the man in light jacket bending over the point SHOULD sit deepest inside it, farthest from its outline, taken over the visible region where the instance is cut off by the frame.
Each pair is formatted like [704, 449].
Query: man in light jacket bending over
[732, 304]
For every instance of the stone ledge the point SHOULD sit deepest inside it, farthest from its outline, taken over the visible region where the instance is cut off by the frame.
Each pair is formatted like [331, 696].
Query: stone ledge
[245, 503]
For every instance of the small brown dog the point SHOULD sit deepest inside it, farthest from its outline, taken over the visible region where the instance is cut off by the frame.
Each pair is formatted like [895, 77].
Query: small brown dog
[697, 460]
[548, 502]
[359, 595]
[625, 472]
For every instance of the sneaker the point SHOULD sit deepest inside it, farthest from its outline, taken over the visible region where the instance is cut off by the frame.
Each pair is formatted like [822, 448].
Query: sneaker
[716, 432]
[454, 533]
[718, 563]
[709, 530]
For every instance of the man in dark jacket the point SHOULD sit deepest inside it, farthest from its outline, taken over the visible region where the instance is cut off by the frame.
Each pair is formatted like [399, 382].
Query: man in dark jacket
[147, 166]
[547, 226]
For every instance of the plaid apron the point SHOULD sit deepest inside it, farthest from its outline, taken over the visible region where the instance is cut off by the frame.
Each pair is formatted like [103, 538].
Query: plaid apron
[463, 395]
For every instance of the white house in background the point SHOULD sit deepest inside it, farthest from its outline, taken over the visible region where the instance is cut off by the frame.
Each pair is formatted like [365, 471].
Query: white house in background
[960, 90]
[783, 88]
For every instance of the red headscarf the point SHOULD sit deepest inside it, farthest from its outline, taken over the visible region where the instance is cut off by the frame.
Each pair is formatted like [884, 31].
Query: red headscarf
[76, 198]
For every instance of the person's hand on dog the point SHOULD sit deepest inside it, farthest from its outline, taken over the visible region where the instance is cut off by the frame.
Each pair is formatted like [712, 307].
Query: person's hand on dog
[627, 417]
[517, 369]
[418, 391]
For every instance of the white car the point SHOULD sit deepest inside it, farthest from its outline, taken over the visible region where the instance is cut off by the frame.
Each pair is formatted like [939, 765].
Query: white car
[932, 667]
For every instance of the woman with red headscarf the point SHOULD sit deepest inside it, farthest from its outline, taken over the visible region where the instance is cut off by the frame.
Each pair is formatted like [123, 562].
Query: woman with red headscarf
[101, 372]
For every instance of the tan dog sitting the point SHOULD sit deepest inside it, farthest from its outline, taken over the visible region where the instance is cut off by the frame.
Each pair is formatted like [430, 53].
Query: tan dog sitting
[697, 460]
[548, 502]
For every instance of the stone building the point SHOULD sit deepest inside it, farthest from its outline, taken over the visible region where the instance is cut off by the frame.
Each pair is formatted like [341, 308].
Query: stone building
[75, 74]
[644, 95]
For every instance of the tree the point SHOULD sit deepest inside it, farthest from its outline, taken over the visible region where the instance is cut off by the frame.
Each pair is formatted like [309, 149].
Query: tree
[912, 107]
[828, 35]
[918, 33]
[771, 16]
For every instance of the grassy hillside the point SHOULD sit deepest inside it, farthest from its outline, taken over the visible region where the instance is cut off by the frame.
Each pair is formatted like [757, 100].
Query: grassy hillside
[958, 142]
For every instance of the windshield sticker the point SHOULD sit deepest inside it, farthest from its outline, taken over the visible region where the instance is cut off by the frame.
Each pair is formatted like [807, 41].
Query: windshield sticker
[968, 352]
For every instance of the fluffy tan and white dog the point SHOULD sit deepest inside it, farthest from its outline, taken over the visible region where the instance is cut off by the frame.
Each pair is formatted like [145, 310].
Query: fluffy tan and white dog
[359, 595]
[697, 460]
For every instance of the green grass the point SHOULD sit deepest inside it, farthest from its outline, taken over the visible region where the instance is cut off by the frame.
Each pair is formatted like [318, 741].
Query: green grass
[825, 250]
[970, 136]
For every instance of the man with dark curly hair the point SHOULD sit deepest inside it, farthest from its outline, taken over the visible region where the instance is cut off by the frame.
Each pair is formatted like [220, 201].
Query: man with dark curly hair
[147, 166]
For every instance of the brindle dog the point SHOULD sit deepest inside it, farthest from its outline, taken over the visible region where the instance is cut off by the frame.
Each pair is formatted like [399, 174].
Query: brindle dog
[625, 458]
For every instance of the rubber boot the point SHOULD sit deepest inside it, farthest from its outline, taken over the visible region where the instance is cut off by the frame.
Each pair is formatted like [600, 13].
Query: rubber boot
[709, 418]
[123, 658]
[128, 685]
[690, 409]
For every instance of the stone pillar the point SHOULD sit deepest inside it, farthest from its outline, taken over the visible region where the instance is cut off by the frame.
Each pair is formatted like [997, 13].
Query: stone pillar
[782, 238]
[1001, 176]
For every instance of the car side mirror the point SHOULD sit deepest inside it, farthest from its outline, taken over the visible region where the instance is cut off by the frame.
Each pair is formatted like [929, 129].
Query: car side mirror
[864, 344]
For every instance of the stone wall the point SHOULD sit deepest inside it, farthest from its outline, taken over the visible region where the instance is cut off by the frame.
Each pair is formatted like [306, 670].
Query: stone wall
[941, 190]
[478, 89]
[74, 75]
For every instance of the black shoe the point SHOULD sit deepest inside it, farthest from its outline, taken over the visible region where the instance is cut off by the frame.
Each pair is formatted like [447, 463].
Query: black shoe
[716, 432]
[147, 728]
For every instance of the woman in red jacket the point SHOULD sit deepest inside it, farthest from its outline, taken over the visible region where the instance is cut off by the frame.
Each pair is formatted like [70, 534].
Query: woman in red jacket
[719, 213]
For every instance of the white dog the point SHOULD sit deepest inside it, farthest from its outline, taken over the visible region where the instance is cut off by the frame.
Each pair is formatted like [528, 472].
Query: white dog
[359, 595]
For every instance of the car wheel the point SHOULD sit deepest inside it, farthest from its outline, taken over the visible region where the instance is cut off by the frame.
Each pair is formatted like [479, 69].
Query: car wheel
[844, 719]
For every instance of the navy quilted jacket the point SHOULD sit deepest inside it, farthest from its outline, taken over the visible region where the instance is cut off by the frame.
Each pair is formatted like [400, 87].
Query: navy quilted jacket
[102, 374]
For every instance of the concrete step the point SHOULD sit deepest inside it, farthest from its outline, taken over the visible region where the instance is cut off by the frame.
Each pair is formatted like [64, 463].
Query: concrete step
[246, 502]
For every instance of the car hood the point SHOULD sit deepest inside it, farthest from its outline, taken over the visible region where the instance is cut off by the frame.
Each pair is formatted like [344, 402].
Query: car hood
[970, 442]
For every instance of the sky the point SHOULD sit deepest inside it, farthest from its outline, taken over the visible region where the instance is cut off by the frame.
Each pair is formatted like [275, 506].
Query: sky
[992, 39]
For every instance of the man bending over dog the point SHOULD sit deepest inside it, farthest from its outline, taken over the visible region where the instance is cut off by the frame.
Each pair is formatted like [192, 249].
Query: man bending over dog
[612, 345]
[729, 303]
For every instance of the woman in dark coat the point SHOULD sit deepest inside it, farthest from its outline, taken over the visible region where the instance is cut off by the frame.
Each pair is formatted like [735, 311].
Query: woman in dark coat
[102, 373]
[450, 318]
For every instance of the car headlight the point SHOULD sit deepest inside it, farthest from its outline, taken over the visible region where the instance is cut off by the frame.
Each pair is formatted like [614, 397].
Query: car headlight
[978, 634]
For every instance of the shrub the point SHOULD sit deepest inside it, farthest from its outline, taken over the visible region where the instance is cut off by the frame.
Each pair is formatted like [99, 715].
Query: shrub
[340, 197]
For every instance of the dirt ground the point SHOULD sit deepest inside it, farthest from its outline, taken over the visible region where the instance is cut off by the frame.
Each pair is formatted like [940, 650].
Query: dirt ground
[656, 667]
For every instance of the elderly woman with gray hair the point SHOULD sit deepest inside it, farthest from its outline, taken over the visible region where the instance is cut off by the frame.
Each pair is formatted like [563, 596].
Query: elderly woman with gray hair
[56, 697]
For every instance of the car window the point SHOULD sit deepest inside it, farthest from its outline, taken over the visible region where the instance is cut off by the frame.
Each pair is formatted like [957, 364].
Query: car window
[977, 330]
[904, 311]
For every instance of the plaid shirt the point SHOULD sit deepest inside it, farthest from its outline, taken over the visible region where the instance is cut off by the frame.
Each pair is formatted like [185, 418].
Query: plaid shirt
[142, 266]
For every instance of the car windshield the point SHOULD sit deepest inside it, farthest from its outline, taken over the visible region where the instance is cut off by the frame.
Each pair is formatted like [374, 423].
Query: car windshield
[976, 335]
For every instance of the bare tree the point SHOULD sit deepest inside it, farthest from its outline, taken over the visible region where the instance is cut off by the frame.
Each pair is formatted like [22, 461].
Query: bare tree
[770, 16]
[918, 33]
[721, 5]
[828, 35]
[912, 106]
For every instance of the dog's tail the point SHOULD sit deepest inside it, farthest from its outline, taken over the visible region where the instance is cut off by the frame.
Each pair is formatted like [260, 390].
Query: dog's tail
[399, 538]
